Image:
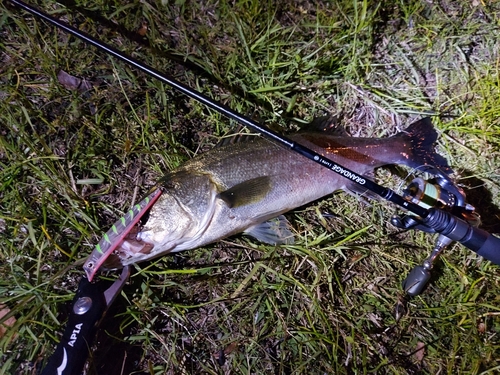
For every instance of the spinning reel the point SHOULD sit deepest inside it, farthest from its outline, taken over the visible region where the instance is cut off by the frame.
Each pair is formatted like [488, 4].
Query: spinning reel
[439, 192]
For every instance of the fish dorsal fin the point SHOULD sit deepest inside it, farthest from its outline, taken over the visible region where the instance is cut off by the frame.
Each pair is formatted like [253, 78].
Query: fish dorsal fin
[274, 232]
[328, 124]
[246, 192]
[238, 135]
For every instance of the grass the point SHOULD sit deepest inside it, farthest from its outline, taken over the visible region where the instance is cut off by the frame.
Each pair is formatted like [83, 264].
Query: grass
[70, 164]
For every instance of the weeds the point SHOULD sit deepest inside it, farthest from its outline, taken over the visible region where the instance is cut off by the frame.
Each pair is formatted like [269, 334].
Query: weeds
[71, 163]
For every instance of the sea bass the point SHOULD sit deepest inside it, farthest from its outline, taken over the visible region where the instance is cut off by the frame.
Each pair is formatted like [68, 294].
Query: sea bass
[247, 186]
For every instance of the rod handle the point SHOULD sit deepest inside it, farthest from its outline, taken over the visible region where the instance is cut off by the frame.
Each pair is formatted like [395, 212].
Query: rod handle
[475, 239]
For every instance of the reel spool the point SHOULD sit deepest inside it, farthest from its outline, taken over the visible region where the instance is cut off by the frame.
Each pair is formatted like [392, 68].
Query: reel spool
[428, 194]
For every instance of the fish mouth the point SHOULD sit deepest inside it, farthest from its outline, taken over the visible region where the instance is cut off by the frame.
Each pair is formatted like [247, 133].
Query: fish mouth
[130, 247]
[143, 243]
[120, 234]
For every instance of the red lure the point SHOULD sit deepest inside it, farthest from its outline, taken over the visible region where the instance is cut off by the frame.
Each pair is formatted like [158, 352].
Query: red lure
[117, 233]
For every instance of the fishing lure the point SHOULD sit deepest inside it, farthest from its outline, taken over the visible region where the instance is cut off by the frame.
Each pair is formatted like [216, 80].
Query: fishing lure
[117, 233]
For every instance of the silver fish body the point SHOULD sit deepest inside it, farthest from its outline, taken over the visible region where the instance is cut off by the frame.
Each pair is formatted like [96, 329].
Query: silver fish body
[243, 186]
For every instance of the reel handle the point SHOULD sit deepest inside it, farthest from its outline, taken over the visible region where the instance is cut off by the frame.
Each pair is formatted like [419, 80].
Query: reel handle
[416, 281]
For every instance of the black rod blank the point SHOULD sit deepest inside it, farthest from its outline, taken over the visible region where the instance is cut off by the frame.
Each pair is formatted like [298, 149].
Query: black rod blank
[384, 192]
[478, 240]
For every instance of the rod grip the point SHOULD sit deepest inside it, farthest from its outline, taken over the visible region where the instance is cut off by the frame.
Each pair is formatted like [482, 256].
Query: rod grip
[475, 239]
[490, 248]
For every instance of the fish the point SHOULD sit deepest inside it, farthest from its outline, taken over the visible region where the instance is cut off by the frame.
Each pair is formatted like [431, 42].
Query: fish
[246, 187]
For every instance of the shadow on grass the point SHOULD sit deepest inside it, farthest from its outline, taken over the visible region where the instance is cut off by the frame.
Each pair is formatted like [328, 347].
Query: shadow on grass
[113, 354]
[481, 198]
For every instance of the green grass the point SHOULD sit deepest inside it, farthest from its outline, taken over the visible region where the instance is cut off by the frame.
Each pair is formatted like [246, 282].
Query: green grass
[332, 303]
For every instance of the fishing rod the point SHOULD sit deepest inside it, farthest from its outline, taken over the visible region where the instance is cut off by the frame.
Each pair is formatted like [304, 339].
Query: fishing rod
[437, 206]
[429, 217]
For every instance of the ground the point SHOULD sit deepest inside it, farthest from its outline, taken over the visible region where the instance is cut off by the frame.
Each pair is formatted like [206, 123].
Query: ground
[77, 152]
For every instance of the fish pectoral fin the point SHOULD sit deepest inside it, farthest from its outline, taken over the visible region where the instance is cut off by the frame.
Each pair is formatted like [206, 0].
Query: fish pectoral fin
[246, 192]
[274, 232]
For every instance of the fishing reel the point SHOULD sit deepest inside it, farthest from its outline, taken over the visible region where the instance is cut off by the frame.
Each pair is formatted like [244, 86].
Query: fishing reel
[439, 192]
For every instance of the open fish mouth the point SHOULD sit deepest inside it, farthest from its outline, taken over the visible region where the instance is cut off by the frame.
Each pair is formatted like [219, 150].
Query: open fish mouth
[123, 234]
[158, 236]
[131, 245]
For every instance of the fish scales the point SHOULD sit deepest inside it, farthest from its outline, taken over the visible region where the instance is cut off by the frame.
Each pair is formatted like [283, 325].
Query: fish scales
[242, 187]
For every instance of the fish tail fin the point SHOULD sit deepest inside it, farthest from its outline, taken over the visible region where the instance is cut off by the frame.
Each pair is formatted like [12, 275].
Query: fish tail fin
[421, 135]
